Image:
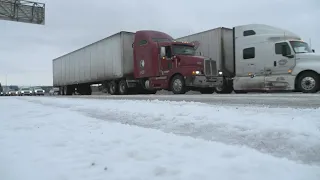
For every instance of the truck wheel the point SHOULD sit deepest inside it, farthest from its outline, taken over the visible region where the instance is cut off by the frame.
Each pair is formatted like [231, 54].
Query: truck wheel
[207, 91]
[113, 88]
[226, 88]
[123, 87]
[69, 90]
[178, 85]
[309, 82]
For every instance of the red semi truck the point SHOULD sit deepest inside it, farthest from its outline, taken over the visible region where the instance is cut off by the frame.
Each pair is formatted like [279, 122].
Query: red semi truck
[135, 63]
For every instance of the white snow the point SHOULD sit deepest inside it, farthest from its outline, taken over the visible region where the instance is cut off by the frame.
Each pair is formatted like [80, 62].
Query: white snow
[75, 139]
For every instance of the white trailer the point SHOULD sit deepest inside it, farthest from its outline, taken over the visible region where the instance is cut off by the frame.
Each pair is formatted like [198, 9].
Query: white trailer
[259, 57]
[104, 60]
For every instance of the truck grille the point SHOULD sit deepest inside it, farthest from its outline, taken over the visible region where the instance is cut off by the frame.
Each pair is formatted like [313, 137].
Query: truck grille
[210, 67]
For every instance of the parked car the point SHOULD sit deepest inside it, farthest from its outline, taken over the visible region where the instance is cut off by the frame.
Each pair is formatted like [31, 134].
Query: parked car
[38, 91]
[12, 92]
[26, 91]
[54, 91]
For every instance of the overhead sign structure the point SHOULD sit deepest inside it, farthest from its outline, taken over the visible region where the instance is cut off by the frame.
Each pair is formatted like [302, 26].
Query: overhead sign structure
[22, 11]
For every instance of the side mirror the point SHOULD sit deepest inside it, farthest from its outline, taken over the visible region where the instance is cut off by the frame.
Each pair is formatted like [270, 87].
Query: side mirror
[313, 51]
[162, 52]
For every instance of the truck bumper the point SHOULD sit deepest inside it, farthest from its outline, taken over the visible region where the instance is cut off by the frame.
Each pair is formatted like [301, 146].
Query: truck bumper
[203, 81]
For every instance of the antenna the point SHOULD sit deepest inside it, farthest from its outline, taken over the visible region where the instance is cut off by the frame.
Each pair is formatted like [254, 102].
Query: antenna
[310, 43]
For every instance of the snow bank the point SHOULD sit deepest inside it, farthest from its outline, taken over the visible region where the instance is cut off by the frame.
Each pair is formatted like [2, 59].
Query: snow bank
[42, 142]
[282, 132]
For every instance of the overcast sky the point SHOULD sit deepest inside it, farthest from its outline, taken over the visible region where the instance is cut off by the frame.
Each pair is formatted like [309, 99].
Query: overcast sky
[27, 50]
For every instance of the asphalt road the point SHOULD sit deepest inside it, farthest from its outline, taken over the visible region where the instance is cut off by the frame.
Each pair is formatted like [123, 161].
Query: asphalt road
[296, 100]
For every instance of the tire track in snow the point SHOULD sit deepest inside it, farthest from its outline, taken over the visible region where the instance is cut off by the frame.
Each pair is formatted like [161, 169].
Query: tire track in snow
[302, 148]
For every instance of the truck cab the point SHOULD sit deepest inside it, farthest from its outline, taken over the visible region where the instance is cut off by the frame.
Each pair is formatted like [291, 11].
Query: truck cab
[162, 63]
[270, 58]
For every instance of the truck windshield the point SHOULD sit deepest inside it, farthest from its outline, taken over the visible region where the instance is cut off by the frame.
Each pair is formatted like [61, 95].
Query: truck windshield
[183, 50]
[300, 47]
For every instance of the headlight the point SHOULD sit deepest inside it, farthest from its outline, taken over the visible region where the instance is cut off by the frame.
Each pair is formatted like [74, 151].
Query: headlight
[196, 72]
[30, 91]
[220, 73]
[22, 91]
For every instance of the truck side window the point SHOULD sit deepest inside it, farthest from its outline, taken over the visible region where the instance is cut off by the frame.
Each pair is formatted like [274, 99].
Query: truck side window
[143, 42]
[249, 33]
[168, 52]
[249, 53]
[278, 47]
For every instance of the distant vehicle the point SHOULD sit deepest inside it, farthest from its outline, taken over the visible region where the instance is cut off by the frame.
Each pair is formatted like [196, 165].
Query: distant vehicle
[37, 91]
[14, 87]
[54, 91]
[1, 90]
[12, 92]
[26, 91]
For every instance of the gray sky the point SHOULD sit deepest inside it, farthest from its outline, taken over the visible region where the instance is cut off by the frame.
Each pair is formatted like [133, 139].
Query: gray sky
[27, 50]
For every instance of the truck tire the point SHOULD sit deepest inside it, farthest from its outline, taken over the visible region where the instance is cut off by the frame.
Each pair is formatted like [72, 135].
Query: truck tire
[309, 82]
[123, 87]
[113, 88]
[226, 88]
[207, 91]
[177, 85]
[69, 90]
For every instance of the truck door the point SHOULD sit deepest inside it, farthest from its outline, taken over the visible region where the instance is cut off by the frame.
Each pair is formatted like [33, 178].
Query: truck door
[166, 62]
[279, 66]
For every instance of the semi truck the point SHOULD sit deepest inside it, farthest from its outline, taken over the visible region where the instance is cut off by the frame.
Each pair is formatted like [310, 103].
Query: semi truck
[257, 57]
[134, 63]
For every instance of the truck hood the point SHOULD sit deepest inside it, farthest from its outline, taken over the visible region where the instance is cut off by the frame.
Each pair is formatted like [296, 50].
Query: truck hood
[307, 61]
[308, 56]
[191, 60]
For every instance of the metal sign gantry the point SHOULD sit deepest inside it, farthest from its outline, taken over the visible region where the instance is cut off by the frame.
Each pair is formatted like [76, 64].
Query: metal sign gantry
[22, 11]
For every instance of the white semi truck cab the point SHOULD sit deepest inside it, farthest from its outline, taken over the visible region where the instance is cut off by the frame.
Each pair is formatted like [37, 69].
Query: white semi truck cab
[270, 58]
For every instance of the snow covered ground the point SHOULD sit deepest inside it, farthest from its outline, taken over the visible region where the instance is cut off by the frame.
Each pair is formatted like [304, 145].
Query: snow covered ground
[75, 139]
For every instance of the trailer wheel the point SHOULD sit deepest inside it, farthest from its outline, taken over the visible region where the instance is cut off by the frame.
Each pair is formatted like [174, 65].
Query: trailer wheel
[123, 87]
[308, 82]
[113, 88]
[178, 85]
[61, 91]
[65, 90]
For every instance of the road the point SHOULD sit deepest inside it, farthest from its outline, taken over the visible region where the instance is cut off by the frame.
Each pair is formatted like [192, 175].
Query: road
[295, 100]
